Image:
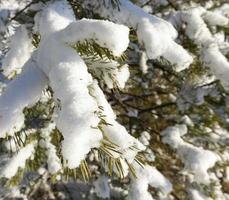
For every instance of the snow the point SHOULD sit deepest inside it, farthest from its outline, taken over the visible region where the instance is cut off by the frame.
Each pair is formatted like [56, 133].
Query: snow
[100, 31]
[101, 100]
[53, 161]
[218, 63]
[227, 174]
[197, 195]
[196, 159]
[214, 18]
[223, 10]
[110, 72]
[145, 138]
[115, 132]
[76, 119]
[24, 90]
[50, 21]
[147, 176]
[11, 144]
[102, 188]
[81, 106]
[20, 51]
[187, 120]
[8, 9]
[143, 62]
[155, 34]
[17, 161]
[69, 78]
[197, 30]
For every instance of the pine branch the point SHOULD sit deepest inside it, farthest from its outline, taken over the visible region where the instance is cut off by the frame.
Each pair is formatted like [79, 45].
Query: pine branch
[91, 51]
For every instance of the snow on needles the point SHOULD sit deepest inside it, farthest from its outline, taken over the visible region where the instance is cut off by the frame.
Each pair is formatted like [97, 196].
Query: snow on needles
[55, 63]
[196, 159]
[116, 132]
[69, 79]
[24, 90]
[17, 161]
[113, 36]
[110, 72]
[198, 31]
[50, 20]
[20, 51]
[53, 161]
[147, 176]
[155, 34]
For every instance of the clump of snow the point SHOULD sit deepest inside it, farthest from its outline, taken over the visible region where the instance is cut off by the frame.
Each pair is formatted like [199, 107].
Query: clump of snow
[78, 117]
[77, 114]
[214, 18]
[187, 120]
[143, 62]
[76, 120]
[223, 10]
[194, 95]
[218, 63]
[8, 9]
[17, 161]
[196, 159]
[147, 176]
[197, 195]
[102, 188]
[69, 78]
[54, 163]
[127, 145]
[155, 34]
[198, 31]
[227, 174]
[20, 51]
[100, 31]
[110, 72]
[49, 20]
[145, 138]
[149, 155]
[24, 90]
[115, 131]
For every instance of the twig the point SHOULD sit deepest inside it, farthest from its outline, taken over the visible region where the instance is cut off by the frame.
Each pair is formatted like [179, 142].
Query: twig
[157, 107]
[21, 11]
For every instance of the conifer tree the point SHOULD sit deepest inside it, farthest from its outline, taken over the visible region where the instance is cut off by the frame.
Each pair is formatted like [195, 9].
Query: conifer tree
[128, 99]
